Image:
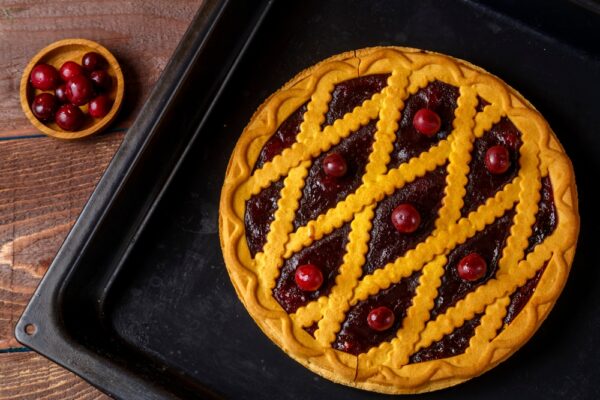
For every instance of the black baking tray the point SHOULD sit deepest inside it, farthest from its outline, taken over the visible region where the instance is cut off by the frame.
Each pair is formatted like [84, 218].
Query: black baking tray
[138, 301]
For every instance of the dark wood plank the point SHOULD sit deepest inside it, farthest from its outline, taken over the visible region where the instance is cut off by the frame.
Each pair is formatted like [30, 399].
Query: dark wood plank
[43, 186]
[28, 376]
[141, 34]
[44, 183]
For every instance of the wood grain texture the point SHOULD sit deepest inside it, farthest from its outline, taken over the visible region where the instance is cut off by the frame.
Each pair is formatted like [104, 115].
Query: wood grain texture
[141, 34]
[44, 185]
[25, 376]
[44, 182]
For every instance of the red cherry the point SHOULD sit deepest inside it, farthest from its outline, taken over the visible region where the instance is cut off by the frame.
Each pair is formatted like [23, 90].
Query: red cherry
[99, 106]
[497, 159]
[381, 319]
[335, 165]
[61, 93]
[406, 218]
[79, 90]
[427, 122]
[93, 61]
[44, 77]
[102, 80]
[309, 277]
[69, 70]
[69, 117]
[471, 267]
[43, 106]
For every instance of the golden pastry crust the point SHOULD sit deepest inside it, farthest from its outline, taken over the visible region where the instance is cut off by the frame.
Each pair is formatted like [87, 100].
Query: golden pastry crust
[385, 368]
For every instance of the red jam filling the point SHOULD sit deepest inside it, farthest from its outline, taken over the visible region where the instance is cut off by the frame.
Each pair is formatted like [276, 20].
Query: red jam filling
[438, 97]
[456, 342]
[481, 103]
[356, 336]
[545, 223]
[284, 137]
[312, 328]
[483, 184]
[260, 210]
[546, 218]
[352, 93]
[323, 191]
[488, 243]
[521, 296]
[452, 344]
[386, 243]
[328, 254]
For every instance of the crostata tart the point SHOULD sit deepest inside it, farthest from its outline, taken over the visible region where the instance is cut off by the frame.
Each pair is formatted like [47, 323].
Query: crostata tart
[398, 220]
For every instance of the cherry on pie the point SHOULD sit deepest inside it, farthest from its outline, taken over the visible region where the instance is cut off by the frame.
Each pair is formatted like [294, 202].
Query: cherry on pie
[398, 220]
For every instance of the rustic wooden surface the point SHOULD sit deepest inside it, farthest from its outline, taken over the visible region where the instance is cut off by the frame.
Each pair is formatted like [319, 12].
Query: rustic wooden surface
[44, 182]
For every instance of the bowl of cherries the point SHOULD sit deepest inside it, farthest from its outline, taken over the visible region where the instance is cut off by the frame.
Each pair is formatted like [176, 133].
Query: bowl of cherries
[72, 88]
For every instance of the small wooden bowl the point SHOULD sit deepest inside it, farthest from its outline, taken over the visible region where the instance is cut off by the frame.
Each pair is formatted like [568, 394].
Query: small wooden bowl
[56, 54]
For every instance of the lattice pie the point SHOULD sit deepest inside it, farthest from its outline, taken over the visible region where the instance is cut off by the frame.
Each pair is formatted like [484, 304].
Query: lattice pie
[398, 220]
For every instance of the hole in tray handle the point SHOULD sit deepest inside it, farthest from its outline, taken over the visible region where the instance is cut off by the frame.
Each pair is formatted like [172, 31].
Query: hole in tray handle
[30, 329]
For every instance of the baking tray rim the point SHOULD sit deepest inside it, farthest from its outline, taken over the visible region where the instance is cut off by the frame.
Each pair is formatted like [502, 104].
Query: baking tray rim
[46, 296]
[49, 336]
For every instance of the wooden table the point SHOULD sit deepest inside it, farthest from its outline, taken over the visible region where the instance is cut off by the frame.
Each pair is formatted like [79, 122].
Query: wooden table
[44, 182]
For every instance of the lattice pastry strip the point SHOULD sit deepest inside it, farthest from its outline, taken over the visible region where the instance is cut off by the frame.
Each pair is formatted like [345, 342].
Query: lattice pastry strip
[269, 261]
[401, 349]
[483, 103]
[393, 101]
[417, 315]
[331, 135]
[333, 311]
[346, 209]
[475, 302]
[521, 229]
[437, 244]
